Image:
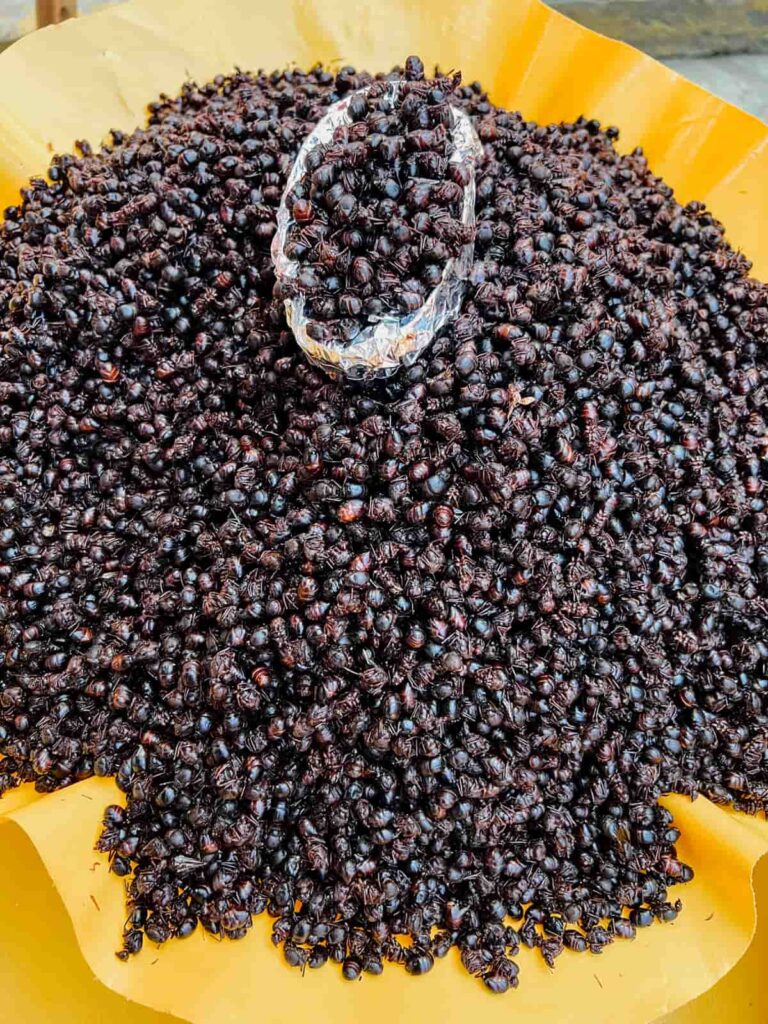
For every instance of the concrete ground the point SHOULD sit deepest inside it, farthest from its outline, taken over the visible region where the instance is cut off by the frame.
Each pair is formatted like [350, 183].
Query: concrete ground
[742, 79]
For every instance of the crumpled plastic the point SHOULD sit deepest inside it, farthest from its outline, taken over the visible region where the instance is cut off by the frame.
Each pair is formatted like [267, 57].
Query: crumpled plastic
[389, 342]
[61, 912]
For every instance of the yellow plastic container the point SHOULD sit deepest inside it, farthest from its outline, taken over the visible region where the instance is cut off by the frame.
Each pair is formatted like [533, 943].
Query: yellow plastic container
[61, 913]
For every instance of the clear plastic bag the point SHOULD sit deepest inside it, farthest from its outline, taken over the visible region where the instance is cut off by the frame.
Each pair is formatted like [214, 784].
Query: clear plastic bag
[388, 342]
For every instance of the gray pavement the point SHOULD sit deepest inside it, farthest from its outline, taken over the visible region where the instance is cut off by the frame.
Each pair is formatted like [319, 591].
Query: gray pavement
[742, 79]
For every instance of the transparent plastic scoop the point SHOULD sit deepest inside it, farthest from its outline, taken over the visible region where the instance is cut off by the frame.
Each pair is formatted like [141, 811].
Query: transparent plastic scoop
[387, 342]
